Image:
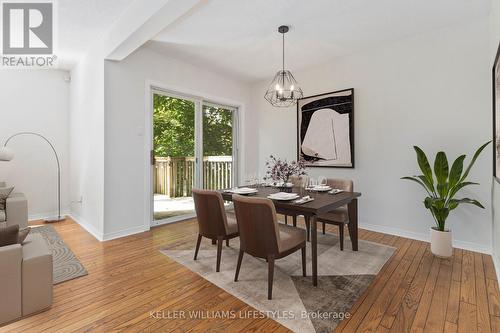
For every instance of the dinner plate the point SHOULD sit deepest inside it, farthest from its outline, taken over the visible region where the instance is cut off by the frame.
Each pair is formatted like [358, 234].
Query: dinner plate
[244, 190]
[283, 196]
[320, 188]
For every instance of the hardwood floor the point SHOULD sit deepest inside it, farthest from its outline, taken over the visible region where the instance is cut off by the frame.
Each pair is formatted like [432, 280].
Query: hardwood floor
[129, 278]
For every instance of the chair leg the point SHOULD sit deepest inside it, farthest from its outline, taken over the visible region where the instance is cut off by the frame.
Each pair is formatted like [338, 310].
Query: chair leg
[341, 236]
[286, 219]
[324, 224]
[198, 242]
[214, 241]
[294, 220]
[227, 242]
[308, 228]
[303, 250]
[238, 265]
[270, 276]
[219, 253]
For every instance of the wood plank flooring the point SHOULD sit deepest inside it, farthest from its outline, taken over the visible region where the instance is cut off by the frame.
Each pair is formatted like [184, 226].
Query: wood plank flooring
[130, 284]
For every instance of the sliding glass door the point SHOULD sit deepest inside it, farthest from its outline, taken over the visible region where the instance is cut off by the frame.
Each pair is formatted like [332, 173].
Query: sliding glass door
[194, 145]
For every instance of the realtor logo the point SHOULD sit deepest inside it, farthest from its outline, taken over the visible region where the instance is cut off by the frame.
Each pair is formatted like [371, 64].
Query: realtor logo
[28, 32]
[27, 28]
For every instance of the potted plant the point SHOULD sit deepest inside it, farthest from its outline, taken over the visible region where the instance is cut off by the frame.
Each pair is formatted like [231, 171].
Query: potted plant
[442, 187]
[280, 171]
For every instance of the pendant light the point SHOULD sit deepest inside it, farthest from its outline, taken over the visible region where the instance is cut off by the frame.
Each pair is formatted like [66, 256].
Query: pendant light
[283, 90]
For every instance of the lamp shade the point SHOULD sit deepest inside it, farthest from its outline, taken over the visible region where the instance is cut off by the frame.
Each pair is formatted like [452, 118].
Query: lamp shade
[6, 154]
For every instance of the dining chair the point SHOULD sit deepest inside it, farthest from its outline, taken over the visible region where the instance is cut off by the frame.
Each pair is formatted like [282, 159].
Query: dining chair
[261, 236]
[213, 223]
[339, 216]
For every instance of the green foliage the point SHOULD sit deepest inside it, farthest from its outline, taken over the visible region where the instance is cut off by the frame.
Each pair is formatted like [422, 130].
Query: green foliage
[173, 126]
[217, 131]
[441, 198]
[173, 129]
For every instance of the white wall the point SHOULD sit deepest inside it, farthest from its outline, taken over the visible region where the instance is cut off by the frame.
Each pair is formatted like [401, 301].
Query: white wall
[430, 90]
[86, 126]
[126, 149]
[494, 42]
[36, 101]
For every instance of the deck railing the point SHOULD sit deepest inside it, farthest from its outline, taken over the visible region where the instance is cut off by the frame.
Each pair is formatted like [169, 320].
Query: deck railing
[174, 176]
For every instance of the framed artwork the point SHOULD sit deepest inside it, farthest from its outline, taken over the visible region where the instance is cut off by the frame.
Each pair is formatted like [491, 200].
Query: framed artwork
[496, 116]
[325, 129]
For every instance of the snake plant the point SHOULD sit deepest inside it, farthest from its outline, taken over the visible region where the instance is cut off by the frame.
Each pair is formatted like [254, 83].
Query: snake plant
[444, 184]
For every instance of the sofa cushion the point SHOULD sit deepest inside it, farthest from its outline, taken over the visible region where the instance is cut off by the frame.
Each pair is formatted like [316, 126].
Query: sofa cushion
[4, 194]
[2, 216]
[9, 235]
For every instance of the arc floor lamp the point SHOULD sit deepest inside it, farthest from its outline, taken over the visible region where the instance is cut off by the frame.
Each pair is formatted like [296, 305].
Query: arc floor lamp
[7, 154]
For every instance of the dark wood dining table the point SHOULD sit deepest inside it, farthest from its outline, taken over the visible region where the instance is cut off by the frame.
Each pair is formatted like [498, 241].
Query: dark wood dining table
[323, 202]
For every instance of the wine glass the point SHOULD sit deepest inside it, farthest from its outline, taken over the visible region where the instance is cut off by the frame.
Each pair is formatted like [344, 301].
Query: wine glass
[322, 181]
[312, 182]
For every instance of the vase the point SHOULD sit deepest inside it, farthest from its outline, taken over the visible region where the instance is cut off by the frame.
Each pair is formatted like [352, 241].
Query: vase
[285, 187]
[441, 243]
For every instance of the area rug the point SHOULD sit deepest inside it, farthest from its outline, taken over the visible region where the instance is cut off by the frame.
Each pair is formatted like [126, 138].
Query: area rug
[65, 264]
[296, 303]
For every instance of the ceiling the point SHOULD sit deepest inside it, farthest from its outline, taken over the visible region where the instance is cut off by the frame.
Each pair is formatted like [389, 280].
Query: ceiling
[240, 38]
[80, 23]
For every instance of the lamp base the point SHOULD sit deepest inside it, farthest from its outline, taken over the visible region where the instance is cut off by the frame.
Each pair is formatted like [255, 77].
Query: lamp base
[55, 219]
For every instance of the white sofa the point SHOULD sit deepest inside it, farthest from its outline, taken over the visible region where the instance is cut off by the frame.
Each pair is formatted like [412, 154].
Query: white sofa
[16, 210]
[26, 278]
[26, 270]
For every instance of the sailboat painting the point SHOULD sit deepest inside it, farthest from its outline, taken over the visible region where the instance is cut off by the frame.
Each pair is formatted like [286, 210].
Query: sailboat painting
[325, 131]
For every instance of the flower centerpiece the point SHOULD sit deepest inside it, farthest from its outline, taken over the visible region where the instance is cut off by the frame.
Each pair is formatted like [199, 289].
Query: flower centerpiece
[280, 171]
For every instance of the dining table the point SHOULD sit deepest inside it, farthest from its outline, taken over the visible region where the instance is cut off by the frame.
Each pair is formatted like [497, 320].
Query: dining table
[323, 202]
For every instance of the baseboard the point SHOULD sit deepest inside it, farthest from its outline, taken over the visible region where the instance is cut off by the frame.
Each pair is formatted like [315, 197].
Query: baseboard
[124, 233]
[424, 237]
[496, 263]
[108, 236]
[87, 226]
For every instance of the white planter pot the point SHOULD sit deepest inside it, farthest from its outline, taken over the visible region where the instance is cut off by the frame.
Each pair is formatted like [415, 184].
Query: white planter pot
[441, 243]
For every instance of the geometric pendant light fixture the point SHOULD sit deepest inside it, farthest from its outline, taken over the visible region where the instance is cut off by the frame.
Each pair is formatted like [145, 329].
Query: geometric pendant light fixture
[284, 89]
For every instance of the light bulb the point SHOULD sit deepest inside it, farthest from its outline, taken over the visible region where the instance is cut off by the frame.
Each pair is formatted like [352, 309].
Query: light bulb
[292, 87]
[277, 87]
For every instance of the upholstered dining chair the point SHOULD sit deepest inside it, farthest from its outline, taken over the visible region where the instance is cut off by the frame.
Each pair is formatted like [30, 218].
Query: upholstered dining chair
[261, 236]
[339, 216]
[213, 222]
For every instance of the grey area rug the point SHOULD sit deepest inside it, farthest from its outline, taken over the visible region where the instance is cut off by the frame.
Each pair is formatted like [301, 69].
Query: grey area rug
[66, 265]
[296, 303]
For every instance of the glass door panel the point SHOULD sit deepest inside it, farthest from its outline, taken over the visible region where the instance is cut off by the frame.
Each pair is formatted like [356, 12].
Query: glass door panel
[218, 146]
[174, 171]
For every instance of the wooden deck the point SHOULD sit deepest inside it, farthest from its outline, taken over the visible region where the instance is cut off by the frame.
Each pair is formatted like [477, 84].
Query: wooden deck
[129, 277]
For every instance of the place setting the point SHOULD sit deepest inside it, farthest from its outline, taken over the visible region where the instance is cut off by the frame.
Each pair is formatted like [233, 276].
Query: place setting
[242, 190]
[293, 197]
[321, 185]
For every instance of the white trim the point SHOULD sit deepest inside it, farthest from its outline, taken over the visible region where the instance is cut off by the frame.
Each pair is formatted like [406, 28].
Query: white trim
[105, 237]
[496, 263]
[87, 226]
[424, 237]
